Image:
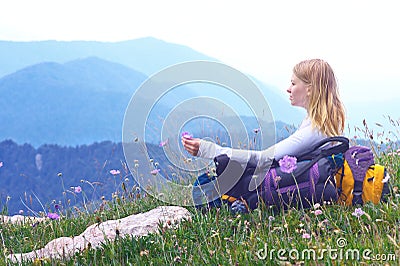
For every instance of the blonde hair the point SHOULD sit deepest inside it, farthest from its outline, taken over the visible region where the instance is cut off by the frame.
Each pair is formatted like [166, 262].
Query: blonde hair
[324, 107]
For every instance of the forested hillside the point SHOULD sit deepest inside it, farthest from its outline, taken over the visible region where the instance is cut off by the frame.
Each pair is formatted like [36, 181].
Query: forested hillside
[51, 172]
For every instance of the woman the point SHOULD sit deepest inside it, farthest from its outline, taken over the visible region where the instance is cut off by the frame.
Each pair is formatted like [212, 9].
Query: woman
[313, 87]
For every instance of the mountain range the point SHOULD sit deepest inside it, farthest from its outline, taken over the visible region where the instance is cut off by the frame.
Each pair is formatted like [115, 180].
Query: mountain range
[72, 93]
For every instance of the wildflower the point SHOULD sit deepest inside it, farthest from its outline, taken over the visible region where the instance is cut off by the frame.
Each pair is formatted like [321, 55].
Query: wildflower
[318, 212]
[187, 135]
[386, 179]
[21, 212]
[306, 236]
[155, 171]
[358, 212]
[288, 164]
[277, 178]
[78, 189]
[53, 216]
[114, 172]
[163, 143]
[144, 253]
[317, 205]
[1, 164]
[271, 218]
[57, 206]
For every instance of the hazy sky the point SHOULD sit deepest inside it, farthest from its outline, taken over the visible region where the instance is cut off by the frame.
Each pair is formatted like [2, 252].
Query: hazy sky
[263, 38]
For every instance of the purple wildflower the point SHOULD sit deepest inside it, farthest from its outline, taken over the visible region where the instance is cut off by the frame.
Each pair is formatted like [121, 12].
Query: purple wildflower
[288, 164]
[53, 216]
[187, 135]
[358, 212]
[78, 189]
[163, 143]
[57, 206]
[114, 172]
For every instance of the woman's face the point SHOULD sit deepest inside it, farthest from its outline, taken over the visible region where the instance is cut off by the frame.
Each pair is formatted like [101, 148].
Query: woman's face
[298, 92]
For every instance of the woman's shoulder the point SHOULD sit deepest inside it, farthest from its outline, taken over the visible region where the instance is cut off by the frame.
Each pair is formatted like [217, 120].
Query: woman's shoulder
[306, 122]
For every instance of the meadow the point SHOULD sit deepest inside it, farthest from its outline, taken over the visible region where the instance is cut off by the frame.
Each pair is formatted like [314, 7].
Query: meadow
[326, 234]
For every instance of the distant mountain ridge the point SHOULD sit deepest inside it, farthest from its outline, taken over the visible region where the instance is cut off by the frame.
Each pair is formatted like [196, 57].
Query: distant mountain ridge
[78, 102]
[92, 73]
[147, 55]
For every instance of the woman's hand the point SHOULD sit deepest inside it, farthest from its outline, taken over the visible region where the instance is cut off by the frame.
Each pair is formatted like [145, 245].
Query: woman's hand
[191, 145]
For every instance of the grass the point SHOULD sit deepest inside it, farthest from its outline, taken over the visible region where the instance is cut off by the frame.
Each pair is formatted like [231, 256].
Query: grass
[218, 237]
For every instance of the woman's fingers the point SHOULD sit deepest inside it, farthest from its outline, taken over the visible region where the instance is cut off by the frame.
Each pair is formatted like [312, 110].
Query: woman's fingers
[191, 145]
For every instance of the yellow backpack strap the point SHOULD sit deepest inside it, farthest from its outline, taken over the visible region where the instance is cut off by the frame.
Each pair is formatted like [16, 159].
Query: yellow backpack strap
[228, 198]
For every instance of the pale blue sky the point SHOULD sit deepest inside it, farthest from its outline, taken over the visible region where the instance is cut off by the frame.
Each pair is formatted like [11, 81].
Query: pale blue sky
[263, 38]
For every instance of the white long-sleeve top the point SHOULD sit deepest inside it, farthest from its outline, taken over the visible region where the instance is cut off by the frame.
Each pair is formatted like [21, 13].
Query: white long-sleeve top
[303, 138]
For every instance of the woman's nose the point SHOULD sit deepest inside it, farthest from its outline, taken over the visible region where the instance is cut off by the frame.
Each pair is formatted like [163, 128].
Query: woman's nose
[289, 90]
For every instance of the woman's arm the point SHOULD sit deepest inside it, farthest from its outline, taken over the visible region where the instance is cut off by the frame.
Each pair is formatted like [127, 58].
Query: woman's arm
[209, 150]
[305, 137]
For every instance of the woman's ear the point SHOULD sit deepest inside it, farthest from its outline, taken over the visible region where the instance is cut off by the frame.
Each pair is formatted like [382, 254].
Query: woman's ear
[308, 90]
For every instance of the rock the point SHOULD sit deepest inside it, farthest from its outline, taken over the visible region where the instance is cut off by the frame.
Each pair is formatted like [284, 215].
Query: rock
[135, 225]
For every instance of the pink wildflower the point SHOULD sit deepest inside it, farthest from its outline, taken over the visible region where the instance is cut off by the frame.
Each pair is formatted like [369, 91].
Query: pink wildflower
[155, 171]
[317, 212]
[78, 189]
[115, 172]
[306, 236]
[187, 135]
[163, 143]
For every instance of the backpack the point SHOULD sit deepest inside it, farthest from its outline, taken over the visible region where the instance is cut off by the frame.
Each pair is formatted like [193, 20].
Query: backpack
[311, 182]
[359, 179]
